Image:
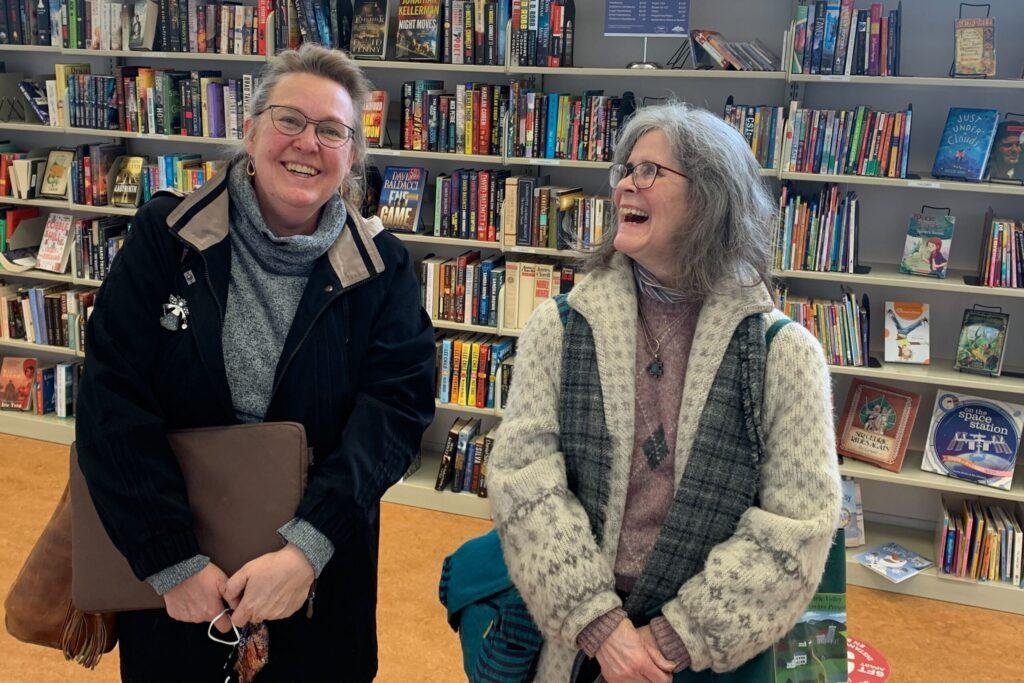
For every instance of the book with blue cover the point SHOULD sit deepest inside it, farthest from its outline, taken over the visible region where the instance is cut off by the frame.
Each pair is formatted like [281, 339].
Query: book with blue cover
[894, 562]
[401, 198]
[966, 143]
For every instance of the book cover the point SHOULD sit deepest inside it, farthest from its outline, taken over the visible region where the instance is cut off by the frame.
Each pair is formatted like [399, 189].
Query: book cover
[401, 198]
[369, 29]
[965, 144]
[894, 562]
[127, 181]
[973, 439]
[1007, 159]
[17, 382]
[876, 424]
[55, 247]
[375, 116]
[929, 240]
[974, 46]
[57, 173]
[851, 517]
[907, 332]
[982, 342]
[418, 36]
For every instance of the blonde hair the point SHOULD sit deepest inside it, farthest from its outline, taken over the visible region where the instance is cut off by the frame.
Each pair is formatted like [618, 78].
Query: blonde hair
[334, 65]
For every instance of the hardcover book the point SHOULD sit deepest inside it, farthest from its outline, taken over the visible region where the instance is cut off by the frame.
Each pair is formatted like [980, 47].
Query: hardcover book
[907, 332]
[894, 562]
[982, 342]
[929, 239]
[974, 42]
[369, 29]
[55, 247]
[973, 439]
[1007, 157]
[375, 117]
[876, 424]
[401, 198]
[127, 181]
[966, 142]
[17, 381]
[418, 36]
[56, 174]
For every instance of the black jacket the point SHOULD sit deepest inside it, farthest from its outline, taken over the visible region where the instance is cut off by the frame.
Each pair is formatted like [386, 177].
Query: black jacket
[356, 370]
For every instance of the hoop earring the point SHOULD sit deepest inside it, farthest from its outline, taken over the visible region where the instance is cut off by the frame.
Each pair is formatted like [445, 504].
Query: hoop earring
[250, 167]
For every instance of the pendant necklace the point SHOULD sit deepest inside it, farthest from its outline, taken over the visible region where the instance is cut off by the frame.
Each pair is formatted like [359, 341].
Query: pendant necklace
[656, 368]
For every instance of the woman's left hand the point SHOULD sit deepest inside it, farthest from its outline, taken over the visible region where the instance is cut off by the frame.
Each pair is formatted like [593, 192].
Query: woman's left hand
[273, 586]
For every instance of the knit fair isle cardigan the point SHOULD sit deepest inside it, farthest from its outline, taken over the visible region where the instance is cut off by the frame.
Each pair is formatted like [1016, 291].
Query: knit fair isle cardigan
[755, 584]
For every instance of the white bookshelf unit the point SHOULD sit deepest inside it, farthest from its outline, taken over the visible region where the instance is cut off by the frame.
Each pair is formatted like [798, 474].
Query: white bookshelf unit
[888, 202]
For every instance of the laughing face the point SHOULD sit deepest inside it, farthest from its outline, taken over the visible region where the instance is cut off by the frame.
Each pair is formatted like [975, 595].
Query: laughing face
[650, 220]
[296, 174]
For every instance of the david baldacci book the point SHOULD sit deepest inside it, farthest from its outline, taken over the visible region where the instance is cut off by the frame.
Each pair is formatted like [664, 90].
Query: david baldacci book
[982, 342]
[401, 198]
[965, 144]
[973, 439]
[894, 562]
[370, 29]
[974, 49]
[876, 424]
[929, 240]
[907, 332]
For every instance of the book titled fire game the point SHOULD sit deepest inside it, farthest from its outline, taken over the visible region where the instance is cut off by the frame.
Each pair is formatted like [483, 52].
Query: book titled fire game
[876, 424]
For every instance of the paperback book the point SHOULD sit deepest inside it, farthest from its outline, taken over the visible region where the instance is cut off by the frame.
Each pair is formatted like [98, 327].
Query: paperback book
[375, 117]
[894, 562]
[907, 332]
[17, 380]
[973, 439]
[929, 240]
[982, 342]
[369, 29]
[401, 198]
[56, 244]
[966, 143]
[851, 517]
[876, 424]
[1007, 156]
[974, 40]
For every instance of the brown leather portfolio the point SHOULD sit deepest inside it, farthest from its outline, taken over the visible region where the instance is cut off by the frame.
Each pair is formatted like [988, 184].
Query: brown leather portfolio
[243, 483]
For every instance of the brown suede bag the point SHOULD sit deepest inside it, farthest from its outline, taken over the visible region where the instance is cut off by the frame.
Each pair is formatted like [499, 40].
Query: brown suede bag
[243, 482]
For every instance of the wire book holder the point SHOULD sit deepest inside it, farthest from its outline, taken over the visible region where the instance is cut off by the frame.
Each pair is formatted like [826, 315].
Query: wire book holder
[953, 73]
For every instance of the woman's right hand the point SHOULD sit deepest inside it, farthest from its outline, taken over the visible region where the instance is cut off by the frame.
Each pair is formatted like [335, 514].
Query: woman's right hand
[198, 599]
[625, 659]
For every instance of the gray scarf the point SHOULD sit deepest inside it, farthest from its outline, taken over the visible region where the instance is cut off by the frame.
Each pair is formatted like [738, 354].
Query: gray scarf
[268, 276]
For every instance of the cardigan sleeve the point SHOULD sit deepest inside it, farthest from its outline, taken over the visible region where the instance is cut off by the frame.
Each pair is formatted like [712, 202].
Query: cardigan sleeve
[552, 555]
[756, 583]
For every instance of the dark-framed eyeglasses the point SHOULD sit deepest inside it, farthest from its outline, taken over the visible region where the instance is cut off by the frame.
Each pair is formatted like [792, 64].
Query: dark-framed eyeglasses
[291, 121]
[644, 174]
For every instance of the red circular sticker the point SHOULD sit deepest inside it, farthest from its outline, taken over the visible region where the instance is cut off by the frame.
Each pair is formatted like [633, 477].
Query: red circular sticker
[865, 664]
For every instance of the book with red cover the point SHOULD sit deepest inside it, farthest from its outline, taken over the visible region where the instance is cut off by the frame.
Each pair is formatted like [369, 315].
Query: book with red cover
[876, 424]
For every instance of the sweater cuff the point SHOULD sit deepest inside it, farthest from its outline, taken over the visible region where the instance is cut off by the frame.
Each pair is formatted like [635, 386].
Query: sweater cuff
[317, 548]
[671, 645]
[172, 576]
[593, 636]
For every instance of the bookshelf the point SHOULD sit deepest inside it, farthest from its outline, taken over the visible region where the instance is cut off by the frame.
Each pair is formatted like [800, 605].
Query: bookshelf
[602, 59]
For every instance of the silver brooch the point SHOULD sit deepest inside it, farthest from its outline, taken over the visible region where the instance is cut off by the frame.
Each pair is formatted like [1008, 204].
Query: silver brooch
[175, 315]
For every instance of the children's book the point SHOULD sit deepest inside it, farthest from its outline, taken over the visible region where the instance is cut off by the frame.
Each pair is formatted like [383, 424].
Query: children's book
[369, 29]
[974, 46]
[851, 518]
[894, 562]
[907, 332]
[1007, 153]
[982, 342]
[876, 424]
[974, 439]
[929, 240]
[965, 144]
[17, 382]
[401, 198]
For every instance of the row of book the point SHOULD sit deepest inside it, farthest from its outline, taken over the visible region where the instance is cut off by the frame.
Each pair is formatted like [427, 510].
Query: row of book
[762, 126]
[464, 459]
[50, 314]
[470, 369]
[41, 388]
[462, 289]
[466, 122]
[848, 142]
[1001, 262]
[982, 541]
[840, 326]
[835, 38]
[731, 54]
[817, 232]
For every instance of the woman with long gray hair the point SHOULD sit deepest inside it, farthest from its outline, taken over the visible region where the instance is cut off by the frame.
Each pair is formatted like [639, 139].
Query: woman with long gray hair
[666, 490]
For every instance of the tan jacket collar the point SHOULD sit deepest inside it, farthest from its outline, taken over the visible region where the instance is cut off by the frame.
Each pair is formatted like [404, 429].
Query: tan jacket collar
[202, 220]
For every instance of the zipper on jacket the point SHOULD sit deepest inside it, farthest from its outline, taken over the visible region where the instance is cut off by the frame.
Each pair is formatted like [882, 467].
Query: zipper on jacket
[309, 604]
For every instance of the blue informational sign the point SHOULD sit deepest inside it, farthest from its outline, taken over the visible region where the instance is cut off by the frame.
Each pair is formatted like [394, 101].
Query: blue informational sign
[663, 18]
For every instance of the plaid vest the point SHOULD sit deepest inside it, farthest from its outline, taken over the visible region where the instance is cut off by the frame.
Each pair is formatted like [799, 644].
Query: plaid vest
[721, 478]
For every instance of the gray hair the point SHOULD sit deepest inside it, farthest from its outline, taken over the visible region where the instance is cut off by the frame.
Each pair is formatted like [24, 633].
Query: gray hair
[334, 65]
[732, 214]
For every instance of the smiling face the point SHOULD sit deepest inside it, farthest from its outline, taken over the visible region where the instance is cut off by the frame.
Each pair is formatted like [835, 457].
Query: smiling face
[296, 174]
[650, 220]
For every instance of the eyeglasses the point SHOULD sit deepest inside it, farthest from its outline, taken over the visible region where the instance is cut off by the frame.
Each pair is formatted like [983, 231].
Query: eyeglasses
[291, 121]
[644, 174]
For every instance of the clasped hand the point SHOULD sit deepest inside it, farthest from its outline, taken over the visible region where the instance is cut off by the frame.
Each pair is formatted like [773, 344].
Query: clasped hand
[631, 655]
[273, 586]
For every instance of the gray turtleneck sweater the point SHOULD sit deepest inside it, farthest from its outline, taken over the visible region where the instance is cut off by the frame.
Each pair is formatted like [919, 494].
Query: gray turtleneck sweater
[268, 277]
